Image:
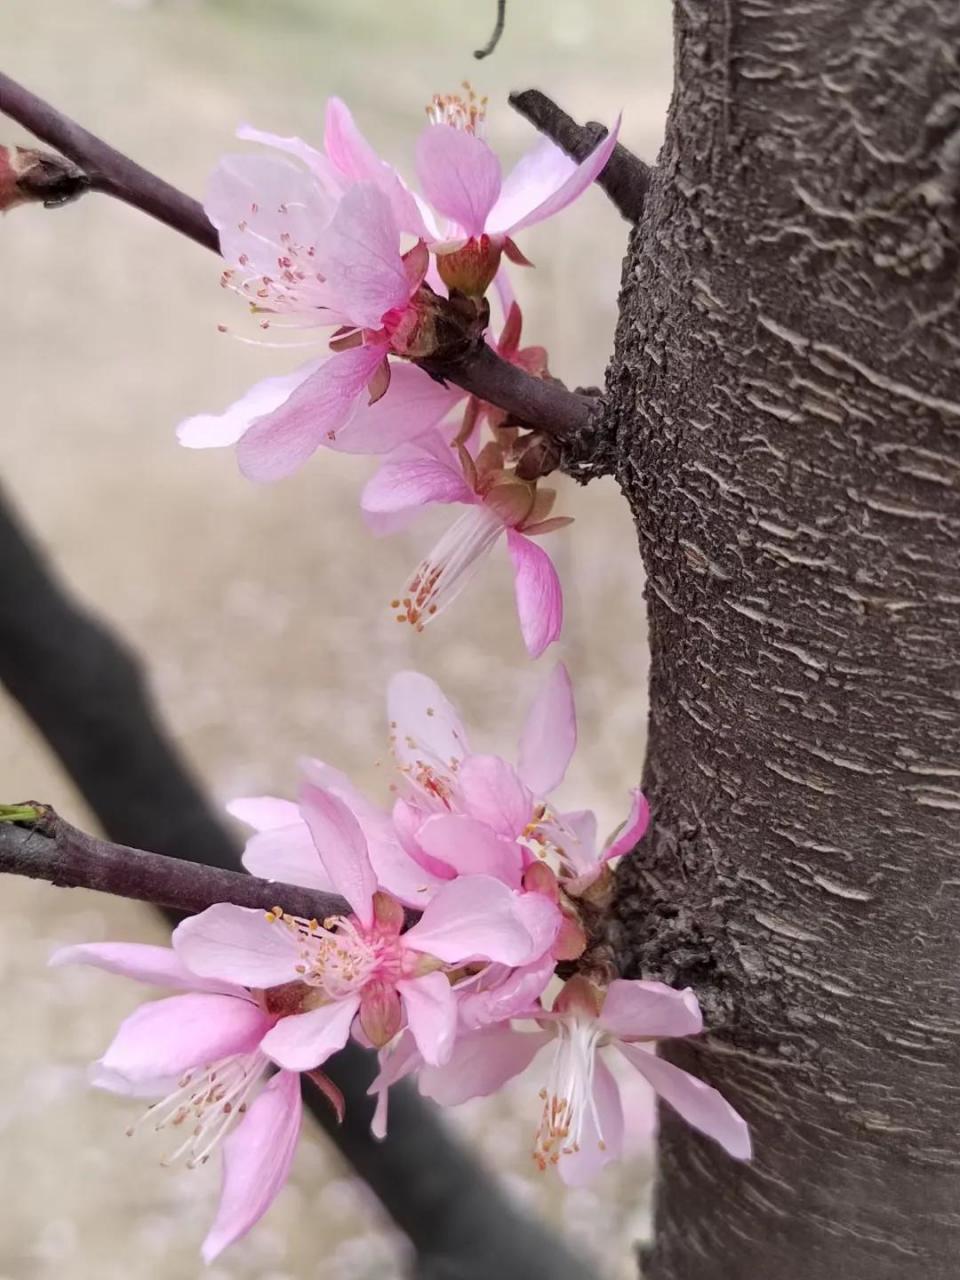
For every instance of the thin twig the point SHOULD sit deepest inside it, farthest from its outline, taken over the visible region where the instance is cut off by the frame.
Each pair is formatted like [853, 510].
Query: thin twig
[51, 849]
[624, 178]
[494, 40]
[554, 410]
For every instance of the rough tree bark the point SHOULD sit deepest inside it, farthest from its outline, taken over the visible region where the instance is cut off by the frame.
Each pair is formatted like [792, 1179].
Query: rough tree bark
[784, 418]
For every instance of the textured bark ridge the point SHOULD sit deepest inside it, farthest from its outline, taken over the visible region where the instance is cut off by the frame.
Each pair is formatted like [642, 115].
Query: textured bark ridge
[785, 416]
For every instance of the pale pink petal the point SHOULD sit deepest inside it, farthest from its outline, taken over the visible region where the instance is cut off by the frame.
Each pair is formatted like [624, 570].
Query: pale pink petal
[408, 817]
[542, 919]
[636, 824]
[492, 792]
[549, 736]
[303, 1041]
[342, 847]
[601, 1140]
[396, 871]
[534, 178]
[156, 966]
[359, 256]
[256, 1161]
[315, 160]
[254, 201]
[288, 854]
[542, 173]
[167, 1037]
[356, 161]
[396, 1061]
[471, 847]
[214, 430]
[431, 1009]
[638, 1010]
[424, 725]
[279, 443]
[700, 1105]
[412, 484]
[505, 291]
[481, 1063]
[414, 404]
[264, 813]
[474, 918]
[515, 995]
[237, 944]
[538, 593]
[459, 174]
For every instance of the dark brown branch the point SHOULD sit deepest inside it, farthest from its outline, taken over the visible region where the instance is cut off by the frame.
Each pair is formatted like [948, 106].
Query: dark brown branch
[113, 173]
[494, 40]
[51, 849]
[624, 178]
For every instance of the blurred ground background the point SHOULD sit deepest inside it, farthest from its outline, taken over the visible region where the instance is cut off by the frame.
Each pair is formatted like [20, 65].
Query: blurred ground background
[263, 613]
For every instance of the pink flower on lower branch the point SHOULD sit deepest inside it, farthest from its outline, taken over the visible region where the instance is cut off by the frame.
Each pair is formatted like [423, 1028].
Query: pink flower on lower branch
[201, 1054]
[582, 1123]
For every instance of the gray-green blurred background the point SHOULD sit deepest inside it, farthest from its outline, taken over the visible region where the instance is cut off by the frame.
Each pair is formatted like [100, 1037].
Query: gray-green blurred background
[264, 612]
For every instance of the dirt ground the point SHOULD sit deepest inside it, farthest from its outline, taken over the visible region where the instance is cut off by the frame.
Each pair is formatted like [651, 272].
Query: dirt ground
[264, 612]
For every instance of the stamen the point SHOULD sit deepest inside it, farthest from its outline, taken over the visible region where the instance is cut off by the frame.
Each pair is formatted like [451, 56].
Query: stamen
[568, 1098]
[469, 113]
[455, 559]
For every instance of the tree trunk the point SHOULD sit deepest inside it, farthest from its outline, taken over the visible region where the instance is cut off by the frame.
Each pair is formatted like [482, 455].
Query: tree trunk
[785, 413]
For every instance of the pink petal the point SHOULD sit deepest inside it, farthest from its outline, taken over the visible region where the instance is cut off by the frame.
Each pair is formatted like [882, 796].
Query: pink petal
[702, 1107]
[412, 484]
[395, 870]
[256, 1162]
[474, 918]
[492, 792]
[359, 256]
[165, 1038]
[549, 736]
[541, 918]
[264, 813]
[279, 443]
[424, 725]
[340, 842]
[156, 966]
[534, 178]
[537, 177]
[515, 995]
[315, 160]
[287, 854]
[238, 944]
[538, 593]
[303, 1041]
[396, 1061]
[459, 174]
[356, 161]
[413, 406]
[636, 824]
[431, 1009]
[213, 430]
[637, 1010]
[481, 1063]
[471, 847]
[581, 1167]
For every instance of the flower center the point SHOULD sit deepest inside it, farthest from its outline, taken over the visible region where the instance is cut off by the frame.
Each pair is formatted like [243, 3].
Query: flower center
[467, 113]
[206, 1104]
[568, 1099]
[339, 957]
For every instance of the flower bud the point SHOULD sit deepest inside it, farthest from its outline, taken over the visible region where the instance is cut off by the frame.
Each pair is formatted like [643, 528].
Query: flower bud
[38, 176]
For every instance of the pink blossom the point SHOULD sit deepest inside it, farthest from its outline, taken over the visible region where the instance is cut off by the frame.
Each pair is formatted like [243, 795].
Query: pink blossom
[461, 177]
[365, 964]
[208, 1045]
[582, 1125]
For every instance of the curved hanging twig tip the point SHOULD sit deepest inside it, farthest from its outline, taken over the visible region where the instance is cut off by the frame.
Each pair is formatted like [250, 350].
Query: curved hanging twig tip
[494, 40]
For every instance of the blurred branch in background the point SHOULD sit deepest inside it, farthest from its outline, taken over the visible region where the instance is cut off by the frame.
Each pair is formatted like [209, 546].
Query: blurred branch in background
[479, 370]
[494, 40]
[624, 178]
[85, 692]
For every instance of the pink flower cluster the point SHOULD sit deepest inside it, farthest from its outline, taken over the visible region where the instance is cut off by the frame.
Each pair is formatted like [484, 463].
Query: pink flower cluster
[464, 896]
[335, 239]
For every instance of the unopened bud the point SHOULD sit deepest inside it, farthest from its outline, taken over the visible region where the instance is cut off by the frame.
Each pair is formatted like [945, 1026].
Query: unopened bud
[540, 455]
[40, 177]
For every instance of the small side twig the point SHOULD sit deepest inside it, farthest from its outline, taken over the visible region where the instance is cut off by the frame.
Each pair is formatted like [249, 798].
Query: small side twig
[49, 848]
[494, 40]
[625, 177]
